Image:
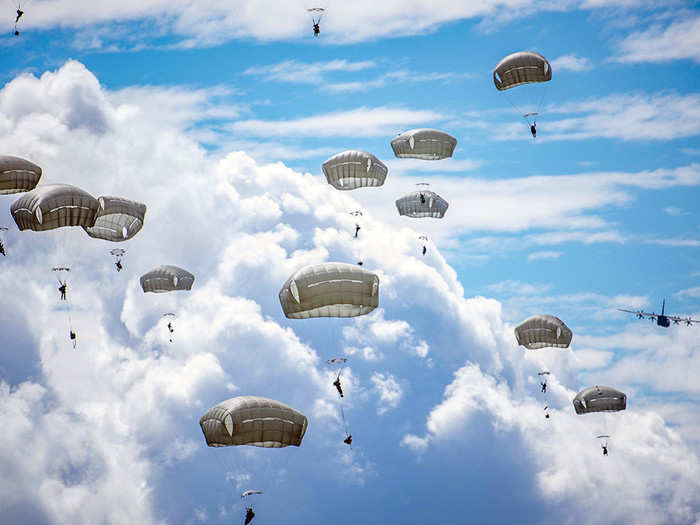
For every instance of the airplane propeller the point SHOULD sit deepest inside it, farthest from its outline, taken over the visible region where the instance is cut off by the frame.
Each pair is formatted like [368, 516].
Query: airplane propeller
[675, 321]
[688, 322]
[640, 316]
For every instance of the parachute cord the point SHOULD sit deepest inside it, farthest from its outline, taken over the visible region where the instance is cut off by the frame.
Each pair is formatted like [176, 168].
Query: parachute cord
[518, 110]
[544, 93]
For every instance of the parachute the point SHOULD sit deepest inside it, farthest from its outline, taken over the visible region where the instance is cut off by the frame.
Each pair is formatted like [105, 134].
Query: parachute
[426, 144]
[354, 169]
[330, 290]
[541, 331]
[356, 213]
[255, 421]
[117, 219]
[166, 278]
[250, 493]
[423, 203]
[17, 175]
[519, 69]
[53, 206]
[599, 399]
[337, 361]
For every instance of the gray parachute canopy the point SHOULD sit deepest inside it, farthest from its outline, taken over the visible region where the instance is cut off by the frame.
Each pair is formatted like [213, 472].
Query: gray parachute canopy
[330, 290]
[252, 420]
[540, 331]
[17, 175]
[412, 205]
[166, 278]
[426, 144]
[53, 206]
[521, 68]
[117, 219]
[599, 399]
[354, 169]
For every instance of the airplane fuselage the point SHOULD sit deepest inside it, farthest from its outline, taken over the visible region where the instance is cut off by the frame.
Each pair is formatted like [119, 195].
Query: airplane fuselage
[664, 321]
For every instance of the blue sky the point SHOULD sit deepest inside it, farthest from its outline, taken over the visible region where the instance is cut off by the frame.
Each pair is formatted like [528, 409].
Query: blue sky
[218, 117]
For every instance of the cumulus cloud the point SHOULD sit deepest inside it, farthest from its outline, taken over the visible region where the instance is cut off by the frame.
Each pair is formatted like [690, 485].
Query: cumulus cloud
[97, 432]
[388, 390]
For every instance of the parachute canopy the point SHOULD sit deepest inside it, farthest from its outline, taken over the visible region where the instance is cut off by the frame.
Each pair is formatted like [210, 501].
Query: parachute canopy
[426, 144]
[252, 420]
[420, 204]
[250, 493]
[540, 331]
[599, 399]
[166, 278]
[17, 175]
[117, 252]
[521, 68]
[117, 219]
[337, 361]
[52, 206]
[330, 290]
[354, 169]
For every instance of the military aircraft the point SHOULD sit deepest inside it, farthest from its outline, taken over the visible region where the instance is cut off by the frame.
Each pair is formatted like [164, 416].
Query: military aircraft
[662, 319]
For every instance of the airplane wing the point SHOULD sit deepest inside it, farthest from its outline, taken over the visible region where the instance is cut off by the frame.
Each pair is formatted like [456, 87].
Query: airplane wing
[639, 313]
[686, 320]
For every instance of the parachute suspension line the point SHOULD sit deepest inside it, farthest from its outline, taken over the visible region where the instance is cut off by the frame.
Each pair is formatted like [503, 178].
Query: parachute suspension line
[544, 93]
[518, 110]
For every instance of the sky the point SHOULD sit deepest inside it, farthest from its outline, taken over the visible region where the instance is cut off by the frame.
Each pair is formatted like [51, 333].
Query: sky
[218, 115]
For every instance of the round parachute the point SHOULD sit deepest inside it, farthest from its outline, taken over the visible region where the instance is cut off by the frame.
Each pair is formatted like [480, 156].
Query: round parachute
[117, 219]
[255, 421]
[17, 175]
[166, 278]
[337, 361]
[521, 68]
[354, 169]
[541, 331]
[420, 204]
[330, 290]
[426, 144]
[599, 399]
[53, 206]
[117, 252]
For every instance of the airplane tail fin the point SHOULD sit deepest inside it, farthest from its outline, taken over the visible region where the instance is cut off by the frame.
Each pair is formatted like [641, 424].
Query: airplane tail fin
[663, 306]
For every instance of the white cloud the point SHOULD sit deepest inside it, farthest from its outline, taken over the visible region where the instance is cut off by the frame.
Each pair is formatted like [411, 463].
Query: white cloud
[389, 391]
[360, 122]
[645, 452]
[633, 116]
[539, 256]
[221, 21]
[678, 40]
[693, 293]
[306, 73]
[85, 443]
[571, 62]
[393, 77]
